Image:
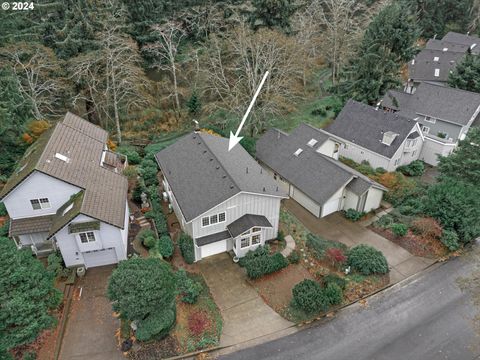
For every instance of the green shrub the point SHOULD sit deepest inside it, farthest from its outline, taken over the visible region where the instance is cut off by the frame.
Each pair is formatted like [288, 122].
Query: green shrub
[415, 168]
[165, 246]
[367, 260]
[385, 221]
[354, 215]
[137, 192]
[188, 288]
[31, 355]
[333, 293]
[380, 170]
[308, 296]
[294, 257]
[159, 220]
[399, 229]
[320, 245]
[334, 279]
[280, 235]
[185, 242]
[56, 265]
[266, 264]
[449, 238]
[148, 238]
[249, 144]
[262, 250]
[321, 111]
[3, 209]
[132, 155]
[156, 325]
[366, 169]
[409, 210]
[148, 170]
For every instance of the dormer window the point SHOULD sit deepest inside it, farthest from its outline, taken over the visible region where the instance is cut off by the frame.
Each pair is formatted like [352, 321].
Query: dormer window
[388, 137]
[62, 157]
[67, 209]
[430, 119]
[298, 152]
[312, 142]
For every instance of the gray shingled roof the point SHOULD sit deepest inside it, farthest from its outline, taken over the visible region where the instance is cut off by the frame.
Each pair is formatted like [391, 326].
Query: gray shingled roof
[30, 225]
[203, 173]
[209, 239]
[363, 125]
[462, 39]
[247, 222]
[445, 103]
[423, 67]
[437, 44]
[83, 143]
[316, 175]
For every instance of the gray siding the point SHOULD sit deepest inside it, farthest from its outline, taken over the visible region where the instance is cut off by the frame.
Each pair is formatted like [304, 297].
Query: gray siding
[452, 130]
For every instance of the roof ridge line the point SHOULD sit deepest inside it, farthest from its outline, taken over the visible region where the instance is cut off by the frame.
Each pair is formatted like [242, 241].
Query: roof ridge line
[81, 132]
[218, 161]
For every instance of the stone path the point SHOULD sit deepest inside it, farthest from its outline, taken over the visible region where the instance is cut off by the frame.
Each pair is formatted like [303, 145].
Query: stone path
[290, 246]
[335, 227]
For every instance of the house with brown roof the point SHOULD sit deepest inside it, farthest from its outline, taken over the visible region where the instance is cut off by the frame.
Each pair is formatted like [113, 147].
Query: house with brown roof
[68, 193]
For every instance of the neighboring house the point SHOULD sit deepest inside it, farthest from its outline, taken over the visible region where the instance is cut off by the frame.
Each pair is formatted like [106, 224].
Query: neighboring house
[382, 138]
[223, 199]
[439, 58]
[445, 115]
[68, 193]
[304, 164]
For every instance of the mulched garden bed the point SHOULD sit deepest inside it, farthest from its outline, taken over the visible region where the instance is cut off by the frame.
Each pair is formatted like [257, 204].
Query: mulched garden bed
[414, 244]
[161, 349]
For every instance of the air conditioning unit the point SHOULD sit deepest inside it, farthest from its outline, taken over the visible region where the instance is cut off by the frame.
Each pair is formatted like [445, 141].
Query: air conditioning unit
[170, 208]
[165, 196]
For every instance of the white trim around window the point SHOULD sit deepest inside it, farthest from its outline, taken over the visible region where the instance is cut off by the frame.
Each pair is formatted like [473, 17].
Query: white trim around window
[87, 237]
[425, 129]
[430, 119]
[41, 203]
[214, 219]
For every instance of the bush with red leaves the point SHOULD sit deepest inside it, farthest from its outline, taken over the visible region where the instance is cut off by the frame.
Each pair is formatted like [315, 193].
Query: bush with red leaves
[198, 322]
[427, 227]
[336, 256]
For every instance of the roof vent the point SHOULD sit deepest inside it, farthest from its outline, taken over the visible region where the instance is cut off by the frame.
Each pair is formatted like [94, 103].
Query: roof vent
[472, 46]
[388, 137]
[264, 189]
[298, 152]
[312, 142]
[62, 157]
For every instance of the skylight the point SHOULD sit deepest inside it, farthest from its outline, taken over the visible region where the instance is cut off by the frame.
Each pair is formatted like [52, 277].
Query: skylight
[298, 152]
[312, 142]
[436, 59]
[437, 72]
[62, 157]
[67, 209]
[445, 49]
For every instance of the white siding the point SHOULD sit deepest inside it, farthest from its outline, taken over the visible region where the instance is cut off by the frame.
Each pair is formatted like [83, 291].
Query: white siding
[72, 249]
[282, 183]
[351, 201]
[374, 197]
[359, 154]
[336, 199]
[305, 201]
[431, 149]
[187, 228]
[38, 185]
[328, 148]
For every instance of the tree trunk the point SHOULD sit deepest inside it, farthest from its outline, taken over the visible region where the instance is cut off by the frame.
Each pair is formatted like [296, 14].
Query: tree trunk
[175, 89]
[117, 118]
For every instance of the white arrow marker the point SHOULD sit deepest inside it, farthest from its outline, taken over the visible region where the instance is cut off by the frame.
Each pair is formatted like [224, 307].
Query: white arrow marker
[235, 139]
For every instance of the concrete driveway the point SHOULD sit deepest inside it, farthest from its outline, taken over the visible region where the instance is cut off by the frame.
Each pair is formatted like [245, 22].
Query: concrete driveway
[90, 328]
[337, 227]
[245, 315]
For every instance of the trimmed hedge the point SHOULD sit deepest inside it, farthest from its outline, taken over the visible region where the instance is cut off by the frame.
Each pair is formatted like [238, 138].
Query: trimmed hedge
[148, 238]
[165, 246]
[185, 242]
[320, 245]
[449, 238]
[266, 264]
[262, 250]
[415, 168]
[354, 215]
[367, 260]
[333, 293]
[308, 296]
[156, 326]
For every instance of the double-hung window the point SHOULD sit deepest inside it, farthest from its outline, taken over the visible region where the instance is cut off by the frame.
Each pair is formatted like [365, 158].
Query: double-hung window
[42, 203]
[244, 242]
[87, 237]
[256, 239]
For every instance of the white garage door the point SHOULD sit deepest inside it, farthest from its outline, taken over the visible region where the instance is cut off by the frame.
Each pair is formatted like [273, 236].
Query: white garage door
[305, 201]
[214, 248]
[100, 257]
[331, 207]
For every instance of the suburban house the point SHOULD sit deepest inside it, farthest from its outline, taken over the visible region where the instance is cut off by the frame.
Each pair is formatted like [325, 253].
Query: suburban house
[437, 60]
[383, 138]
[68, 193]
[305, 164]
[223, 199]
[445, 115]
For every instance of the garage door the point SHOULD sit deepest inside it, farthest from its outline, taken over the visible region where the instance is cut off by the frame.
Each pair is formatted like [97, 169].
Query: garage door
[305, 201]
[331, 207]
[213, 248]
[100, 257]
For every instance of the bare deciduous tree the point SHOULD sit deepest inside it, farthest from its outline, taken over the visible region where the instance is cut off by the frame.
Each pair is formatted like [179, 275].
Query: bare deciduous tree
[37, 69]
[165, 52]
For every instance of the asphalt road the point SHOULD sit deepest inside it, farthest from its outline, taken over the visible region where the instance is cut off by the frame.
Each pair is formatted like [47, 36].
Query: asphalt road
[426, 318]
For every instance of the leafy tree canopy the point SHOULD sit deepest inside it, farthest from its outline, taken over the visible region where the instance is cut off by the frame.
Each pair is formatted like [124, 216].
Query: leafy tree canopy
[27, 294]
[272, 13]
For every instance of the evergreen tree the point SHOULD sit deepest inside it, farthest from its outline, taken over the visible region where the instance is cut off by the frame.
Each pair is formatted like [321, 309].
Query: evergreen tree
[466, 75]
[27, 295]
[193, 104]
[387, 43]
[272, 13]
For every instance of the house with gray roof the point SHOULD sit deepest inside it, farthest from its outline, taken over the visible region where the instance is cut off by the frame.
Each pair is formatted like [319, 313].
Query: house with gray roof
[223, 199]
[68, 193]
[439, 58]
[445, 115]
[382, 138]
[305, 164]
